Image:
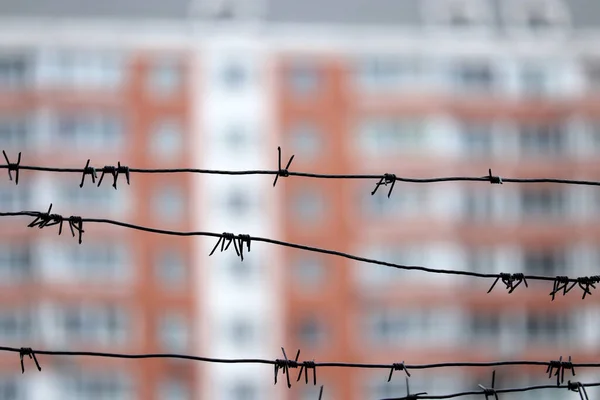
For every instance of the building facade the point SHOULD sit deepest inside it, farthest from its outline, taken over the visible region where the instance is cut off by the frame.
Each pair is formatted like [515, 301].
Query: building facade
[414, 88]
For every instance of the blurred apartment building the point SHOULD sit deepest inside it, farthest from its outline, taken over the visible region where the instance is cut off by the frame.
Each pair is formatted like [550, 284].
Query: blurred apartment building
[415, 88]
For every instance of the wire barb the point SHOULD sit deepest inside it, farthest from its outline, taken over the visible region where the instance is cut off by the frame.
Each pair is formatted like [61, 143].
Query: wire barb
[398, 367]
[321, 392]
[87, 170]
[511, 281]
[285, 365]
[283, 172]
[27, 351]
[578, 387]
[43, 220]
[306, 365]
[227, 238]
[115, 171]
[487, 392]
[386, 179]
[560, 366]
[13, 167]
[494, 179]
[410, 396]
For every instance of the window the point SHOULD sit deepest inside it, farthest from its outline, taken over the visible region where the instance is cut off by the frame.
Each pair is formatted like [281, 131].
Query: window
[174, 389]
[89, 130]
[474, 77]
[11, 388]
[481, 260]
[549, 262]
[242, 332]
[386, 327]
[478, 205]
[14, 132]
[485, 326]
[238, 203]
[234, 75]
[167, 139]
[97, 262]
[385, 72]
[90, 197]
[308, 206]
[537, 16]
[14, 71]
[83, 69]
[14, 198]
[543, 202]
[477, 138]
[310, 332]
[308, 271]
[236, 138]
[96, 385]
[15, 325]
[303, 78]
[244, 391]
[311, 392]
[169, 203]
[103, 324]
[534, 81]
[546, 326]
[240, 270]
[170, 269]
[543, 140]
[173, 332]
[164, 77]
[16, 263]
[592, 74]
[411, 201]
[389, 136]
[380, 389]
[457, 13]
[305, 139]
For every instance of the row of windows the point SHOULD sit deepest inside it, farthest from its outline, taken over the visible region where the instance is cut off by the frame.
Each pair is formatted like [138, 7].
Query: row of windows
[92, 129]
[396, 135]
[83, 69]
[391, 327]
[86, 323]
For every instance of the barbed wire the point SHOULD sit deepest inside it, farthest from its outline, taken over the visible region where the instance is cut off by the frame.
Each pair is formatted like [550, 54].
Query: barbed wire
[491, 392]
[561, 284]
[383, 179]
[554, 368]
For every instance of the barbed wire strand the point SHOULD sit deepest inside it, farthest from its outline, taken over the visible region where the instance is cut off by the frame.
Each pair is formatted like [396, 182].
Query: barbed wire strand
[553, 367]
[562, 284]
[577, 387]
[384, 179]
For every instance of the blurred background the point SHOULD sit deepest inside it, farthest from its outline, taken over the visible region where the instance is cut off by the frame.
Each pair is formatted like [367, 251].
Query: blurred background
[418, 88]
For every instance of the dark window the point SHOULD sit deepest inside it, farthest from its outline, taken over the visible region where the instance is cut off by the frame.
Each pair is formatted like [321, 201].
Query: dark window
[242, 332]
[485, 325]
[308, 206]
[13, 71]
[170, 269]
[310, 332]
[545, 262]
[305, 139]
[244, 391]
[542, 140]
[309, 272]
[303, 78]
[238, 203]
[478, 205]
[543, 202]
[477, 138]
[478, 77]
[549, 326]
[234, 75]
[14, 132]
[164, 77]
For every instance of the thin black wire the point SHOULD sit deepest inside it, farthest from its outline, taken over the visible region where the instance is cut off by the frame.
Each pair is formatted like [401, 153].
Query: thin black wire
[570, 387]
[296, 364]
[309, 175]
[508, 279]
